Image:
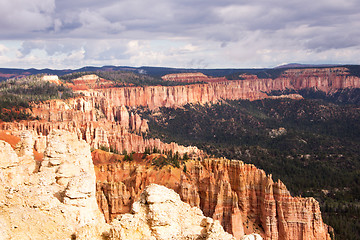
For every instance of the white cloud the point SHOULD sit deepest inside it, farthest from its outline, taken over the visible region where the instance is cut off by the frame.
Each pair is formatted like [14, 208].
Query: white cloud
[3, 49]
[21, 16]
[228, 33]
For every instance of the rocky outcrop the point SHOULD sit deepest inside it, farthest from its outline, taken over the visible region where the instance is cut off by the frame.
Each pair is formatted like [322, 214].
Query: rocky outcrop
[274, 133]
[160, 214]
[252, 236]
[241, 197]
[53, 201]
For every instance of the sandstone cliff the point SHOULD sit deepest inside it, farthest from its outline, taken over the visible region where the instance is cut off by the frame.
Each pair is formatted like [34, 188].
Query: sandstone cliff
[103, 117]
[55, 200]
[252, 88]
[244, 199]
[98, 134]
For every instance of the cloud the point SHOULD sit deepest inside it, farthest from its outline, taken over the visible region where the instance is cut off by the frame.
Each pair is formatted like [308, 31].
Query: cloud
[21, 17]
[180, 33]
[3, 49]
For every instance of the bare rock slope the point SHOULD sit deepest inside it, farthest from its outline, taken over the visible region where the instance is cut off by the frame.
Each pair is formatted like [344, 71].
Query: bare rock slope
[53, 201]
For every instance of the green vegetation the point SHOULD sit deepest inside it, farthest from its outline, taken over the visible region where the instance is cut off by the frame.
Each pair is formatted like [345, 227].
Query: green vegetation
[129, 157]
[170, 159]
[125, 78]
[104, 148]
[317, 155]
[16, 95]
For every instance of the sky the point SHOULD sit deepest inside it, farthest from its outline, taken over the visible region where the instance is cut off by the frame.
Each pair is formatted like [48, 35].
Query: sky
[62, 34]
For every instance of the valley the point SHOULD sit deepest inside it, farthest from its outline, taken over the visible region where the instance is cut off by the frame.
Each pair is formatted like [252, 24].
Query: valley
[301, 126]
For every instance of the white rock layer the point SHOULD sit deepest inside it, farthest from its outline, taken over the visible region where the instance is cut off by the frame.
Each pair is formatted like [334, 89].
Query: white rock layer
[55, 202]
[160, 214]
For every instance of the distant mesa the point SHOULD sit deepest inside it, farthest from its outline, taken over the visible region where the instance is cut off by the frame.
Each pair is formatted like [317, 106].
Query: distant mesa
[192, 78]
[90, 81]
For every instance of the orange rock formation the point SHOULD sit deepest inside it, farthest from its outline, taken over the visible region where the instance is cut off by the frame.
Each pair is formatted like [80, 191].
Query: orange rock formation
[103, 118]
[243, 198]
[98, 134]
[91, 81]
[325, 79]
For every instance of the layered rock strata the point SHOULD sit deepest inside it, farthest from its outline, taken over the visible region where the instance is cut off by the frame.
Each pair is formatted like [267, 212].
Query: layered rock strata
[101, 134]
[98, 122]
[91, 81]
[241, 197]
[104, 118]
[55, 200]
[252, 88]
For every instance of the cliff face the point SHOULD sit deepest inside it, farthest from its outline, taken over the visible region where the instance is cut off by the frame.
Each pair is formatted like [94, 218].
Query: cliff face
[252, 88]
[103, 117]
[244, 199]
[176, 96]
[98, 134]
[96, 120]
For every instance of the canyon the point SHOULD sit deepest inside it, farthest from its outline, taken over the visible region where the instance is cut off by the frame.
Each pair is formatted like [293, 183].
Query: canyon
[251, 88]
[55, 198]
[241, 197]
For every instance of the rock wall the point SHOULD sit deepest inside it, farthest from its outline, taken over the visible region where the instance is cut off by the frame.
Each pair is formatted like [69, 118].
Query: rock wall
[103, 117]
[324, 79]
[98, 134]
[97, 121]
[243, 198]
